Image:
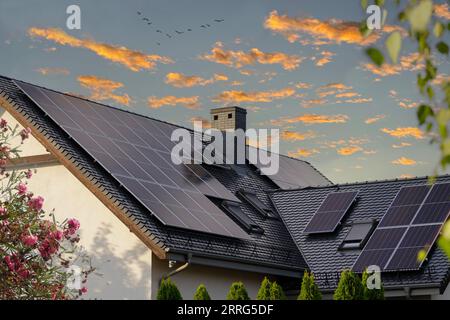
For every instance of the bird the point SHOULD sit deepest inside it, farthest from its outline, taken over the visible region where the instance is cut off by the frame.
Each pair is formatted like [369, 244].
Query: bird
[189, 29]
[149, 23]
[158, 43]
[168, 35]
[139, 13]
[159, 31]
[219, 20]
[179, 32]
[202, 26]
[145, 19]
[208, 25]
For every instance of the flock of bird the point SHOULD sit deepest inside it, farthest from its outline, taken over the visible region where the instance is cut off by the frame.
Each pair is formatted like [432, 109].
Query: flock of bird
[168, 35]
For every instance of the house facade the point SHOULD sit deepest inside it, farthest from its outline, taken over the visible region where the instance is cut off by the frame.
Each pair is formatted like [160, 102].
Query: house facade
[135, 242]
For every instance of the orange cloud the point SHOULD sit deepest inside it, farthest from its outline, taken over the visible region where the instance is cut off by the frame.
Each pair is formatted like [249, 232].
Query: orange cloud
[322, 32]
[407, 104]
[411, 62]
[297, 136]
[347, 151]
[302, 153]
[405, 132]
[406, 176]
[253, 96]
[302, 85]
[325, 58]
[347, 95]
[133, 60]
[313, 102]
[49, 71]
[313, 119]
[336, 85]
[442, 11]
[103, 89]
[238, 59]
[180, 80]
[187, 102]
[375, 119]
[358, 100]
[404, 161]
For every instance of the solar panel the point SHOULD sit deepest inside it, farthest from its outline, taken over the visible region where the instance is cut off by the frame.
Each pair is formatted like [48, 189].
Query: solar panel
[331, 212]
[136, 151]
[411, 224]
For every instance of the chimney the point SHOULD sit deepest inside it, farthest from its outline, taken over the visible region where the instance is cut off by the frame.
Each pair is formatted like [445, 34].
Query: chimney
[229, 118]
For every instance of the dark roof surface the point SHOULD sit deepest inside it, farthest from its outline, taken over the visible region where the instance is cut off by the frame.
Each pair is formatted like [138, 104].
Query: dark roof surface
[275, 248]
[321, 253]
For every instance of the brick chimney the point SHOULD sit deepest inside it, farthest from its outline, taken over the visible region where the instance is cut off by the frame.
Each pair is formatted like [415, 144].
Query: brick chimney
[229, 118]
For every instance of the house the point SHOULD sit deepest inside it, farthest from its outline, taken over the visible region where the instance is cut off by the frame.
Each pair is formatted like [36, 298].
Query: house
[144, 218]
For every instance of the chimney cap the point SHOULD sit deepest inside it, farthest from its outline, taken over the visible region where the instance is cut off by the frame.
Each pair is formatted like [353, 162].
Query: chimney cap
[228, 109]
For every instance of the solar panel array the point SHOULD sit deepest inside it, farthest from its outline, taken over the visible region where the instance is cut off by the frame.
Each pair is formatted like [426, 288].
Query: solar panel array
[411, 224]
[292, 173]
[136, 151]
[331, 212]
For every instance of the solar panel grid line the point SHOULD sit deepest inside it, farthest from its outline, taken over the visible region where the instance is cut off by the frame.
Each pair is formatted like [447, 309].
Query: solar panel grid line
[219, 222]
[404, 235]
[327, 220]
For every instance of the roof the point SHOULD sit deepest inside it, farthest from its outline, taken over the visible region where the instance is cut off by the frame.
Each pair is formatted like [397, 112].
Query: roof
[275, 249]
[297, 207]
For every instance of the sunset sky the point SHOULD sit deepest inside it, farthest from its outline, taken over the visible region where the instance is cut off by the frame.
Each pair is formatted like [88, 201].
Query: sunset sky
[294, 65]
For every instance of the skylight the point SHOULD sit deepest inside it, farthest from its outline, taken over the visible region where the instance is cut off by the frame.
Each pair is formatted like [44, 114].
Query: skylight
[252, 198]
[358, 235]
[235, 210]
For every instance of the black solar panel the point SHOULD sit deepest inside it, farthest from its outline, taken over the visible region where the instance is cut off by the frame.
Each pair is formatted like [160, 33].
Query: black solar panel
[411, 224]
[331, 212]
[136, 151]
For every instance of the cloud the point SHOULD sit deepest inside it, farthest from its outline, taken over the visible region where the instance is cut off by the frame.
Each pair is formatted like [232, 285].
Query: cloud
[408, 104]
[313, 119]
[404, 161]
[131, 59]
[238, 59]
[322, 32]
[103, 89]
[411, 62]
[325, 58]
[180, 80]
[336, 85]
[297, 136]
[53, 71]
[206, 124]
[347, 95]
[187, 102]
[401, 145]
[442, 11]
[406, 176]
[313, 102]
[374, 119]
[302, 153]
[405, 132]
[358, 100]
[302, 85]
[347, 151]
[253, 96]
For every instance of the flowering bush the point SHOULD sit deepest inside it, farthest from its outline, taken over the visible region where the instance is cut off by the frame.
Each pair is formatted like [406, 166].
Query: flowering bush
[39, 257]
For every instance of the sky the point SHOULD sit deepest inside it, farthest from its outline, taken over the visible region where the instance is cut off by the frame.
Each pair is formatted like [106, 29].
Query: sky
[297, 66]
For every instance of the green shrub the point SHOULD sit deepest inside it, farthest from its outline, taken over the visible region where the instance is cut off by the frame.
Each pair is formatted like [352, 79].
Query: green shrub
[264, 290]
[201, 293]
[276, 292]
[309, 289]
[168, 291]
[371, 294]
[237, 292]
[350, 287]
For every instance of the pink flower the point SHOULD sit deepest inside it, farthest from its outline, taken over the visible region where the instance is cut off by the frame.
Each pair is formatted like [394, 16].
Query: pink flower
[25, 133]
[57, 235]
[73, 224]
[83, 290]
[36, 203]
[2, 211]
[29, 174]
[30, 240]
[3, 123]
[22, 188]
[9, 263]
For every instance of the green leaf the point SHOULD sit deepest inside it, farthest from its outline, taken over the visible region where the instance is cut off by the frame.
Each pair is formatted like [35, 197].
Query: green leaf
[364, 4]
[430, 93]
[419, 15]
[394, 45]
[423, 113]
[438, 29]
[379, 3]
[442, 47]
[375, 55]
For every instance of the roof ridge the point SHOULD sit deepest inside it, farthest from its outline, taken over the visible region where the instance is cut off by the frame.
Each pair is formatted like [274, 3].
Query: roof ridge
[359, 183]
